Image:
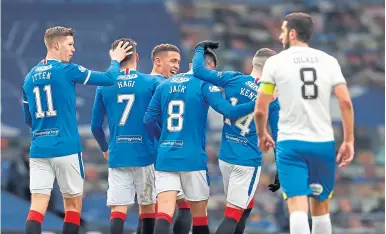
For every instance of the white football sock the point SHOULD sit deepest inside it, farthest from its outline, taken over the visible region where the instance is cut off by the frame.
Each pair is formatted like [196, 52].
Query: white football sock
[321, 224]
[299, 223]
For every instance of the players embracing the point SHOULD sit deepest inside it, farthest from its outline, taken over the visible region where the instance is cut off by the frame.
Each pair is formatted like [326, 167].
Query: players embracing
[157, 126]
[177, 116]
[240, 159]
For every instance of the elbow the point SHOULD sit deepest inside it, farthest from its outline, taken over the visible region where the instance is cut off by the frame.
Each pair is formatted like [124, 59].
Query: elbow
[150, 128]
[111, 81]
[148, 122]
[95, 129]
[231, 115]
[345, 105]
[259, 114]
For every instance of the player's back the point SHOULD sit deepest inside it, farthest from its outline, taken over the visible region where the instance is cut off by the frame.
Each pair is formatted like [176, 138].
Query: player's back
[126, 102]
[158, 77]
[50, 92]
[184, 115]
[239, 139]
[305, 78]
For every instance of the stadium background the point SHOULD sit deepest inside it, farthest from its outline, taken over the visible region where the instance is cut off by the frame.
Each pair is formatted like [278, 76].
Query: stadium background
[350, 30]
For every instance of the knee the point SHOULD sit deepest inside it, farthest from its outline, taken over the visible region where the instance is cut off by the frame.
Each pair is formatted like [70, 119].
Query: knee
[73, 203]
[39, 202]
[147, 208]
[198, 208]
[319, 208]
[167, 202]
[298, 203]
[121, 209]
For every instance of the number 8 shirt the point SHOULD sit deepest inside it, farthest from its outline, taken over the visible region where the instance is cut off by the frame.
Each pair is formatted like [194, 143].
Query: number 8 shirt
[304, 78]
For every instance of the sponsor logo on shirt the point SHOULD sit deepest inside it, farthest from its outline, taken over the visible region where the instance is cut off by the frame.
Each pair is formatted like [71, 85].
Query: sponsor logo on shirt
[129, 139]
[252, 85]
[179, 79]
[178, 144]
[43, 68]
[214, 89]
[46, 132]
[236, 139]
[127, 77]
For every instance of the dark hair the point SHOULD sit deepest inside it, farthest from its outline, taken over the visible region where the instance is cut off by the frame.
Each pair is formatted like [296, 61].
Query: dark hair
[55, 32]
[302, 23]
[124, 40]
[163, 48]
[211, 56]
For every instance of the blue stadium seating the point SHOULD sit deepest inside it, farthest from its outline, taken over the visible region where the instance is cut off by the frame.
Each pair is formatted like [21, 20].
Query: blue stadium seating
[96, 27]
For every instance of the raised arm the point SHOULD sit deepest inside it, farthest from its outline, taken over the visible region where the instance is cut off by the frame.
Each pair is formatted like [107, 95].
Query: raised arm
[212, 76]
[84, 76]
[212, 95]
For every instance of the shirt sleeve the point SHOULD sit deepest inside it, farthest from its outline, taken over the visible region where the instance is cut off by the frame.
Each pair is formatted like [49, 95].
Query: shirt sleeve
[27, 114]
[152, 116]
[212, 76]
[267, 88]
[337, 75]
[82, 75]
[97, 119]
[268, 71]
[212, 95]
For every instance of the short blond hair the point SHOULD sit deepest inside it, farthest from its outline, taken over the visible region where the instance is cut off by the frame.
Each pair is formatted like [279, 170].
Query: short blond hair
[55, 32]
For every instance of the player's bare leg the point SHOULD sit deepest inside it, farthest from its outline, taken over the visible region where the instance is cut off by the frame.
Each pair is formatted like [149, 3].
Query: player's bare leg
[232, 217]
[39, 204]
[243, 221]
[200, 216]
[166, 205]
[183, 222]
[298, 210]
[72, 208]
[147, 214]
[321, 222]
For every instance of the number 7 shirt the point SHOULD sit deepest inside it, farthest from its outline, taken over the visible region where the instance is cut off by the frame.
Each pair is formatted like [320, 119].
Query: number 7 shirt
[125, 104]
